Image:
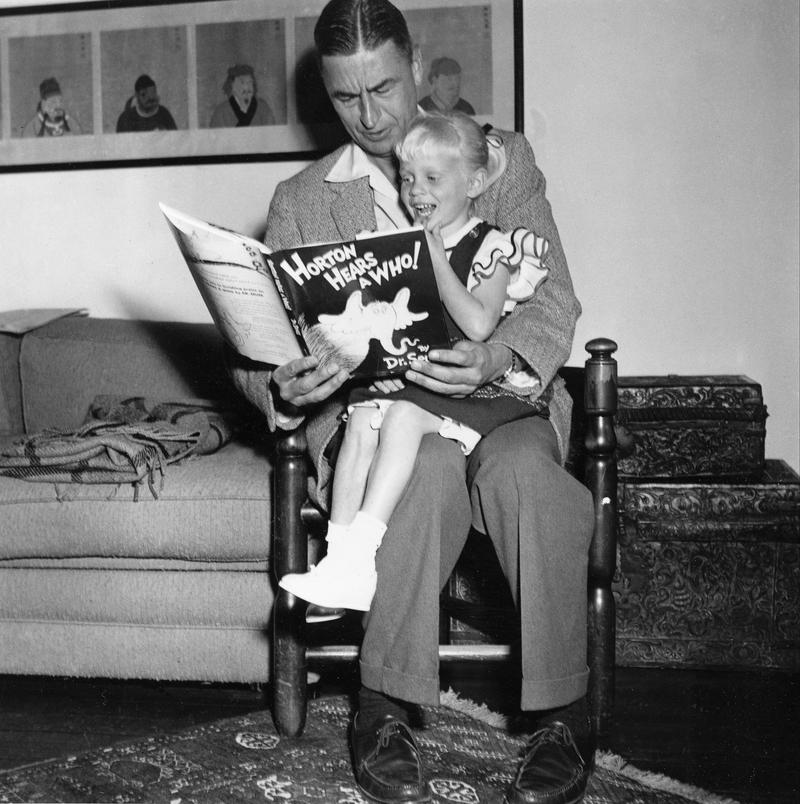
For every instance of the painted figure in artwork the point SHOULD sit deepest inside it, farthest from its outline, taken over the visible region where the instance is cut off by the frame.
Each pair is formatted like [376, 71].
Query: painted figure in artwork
[52, 118]
[243, 107]
[444, 77]
[143, 110]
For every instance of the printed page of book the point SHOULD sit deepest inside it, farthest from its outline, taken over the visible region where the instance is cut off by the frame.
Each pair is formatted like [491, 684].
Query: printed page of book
[232, 276]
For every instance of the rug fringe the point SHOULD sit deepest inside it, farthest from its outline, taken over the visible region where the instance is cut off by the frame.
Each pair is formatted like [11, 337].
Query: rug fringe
[452, 700]
[604, 759]
[659, 781]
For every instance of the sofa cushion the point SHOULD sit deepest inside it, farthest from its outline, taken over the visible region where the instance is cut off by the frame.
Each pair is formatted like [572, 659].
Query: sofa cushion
[65, 364]
[145, 597]
[211, 508]
[111, 650]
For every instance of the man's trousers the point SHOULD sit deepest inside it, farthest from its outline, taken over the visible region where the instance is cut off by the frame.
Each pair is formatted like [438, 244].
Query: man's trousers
[539, 518]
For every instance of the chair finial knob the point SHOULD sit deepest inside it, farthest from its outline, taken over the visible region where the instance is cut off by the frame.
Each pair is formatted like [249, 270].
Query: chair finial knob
[601, 348]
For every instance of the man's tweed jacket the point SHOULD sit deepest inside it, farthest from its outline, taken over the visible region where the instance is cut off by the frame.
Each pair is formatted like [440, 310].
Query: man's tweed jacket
[307, 209]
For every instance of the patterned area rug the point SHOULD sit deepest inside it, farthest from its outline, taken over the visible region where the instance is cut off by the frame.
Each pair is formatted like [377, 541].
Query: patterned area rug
[242, 759]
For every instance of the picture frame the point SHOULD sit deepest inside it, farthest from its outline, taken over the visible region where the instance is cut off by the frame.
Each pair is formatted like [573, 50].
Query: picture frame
[91, 85]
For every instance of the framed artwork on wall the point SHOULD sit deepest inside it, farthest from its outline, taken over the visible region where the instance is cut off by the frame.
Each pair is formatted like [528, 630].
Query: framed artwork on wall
[127, 83]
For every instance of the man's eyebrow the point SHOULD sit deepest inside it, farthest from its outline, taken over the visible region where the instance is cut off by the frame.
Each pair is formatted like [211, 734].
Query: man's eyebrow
[382, 84]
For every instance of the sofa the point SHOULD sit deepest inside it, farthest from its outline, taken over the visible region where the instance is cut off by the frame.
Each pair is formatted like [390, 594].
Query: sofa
[118, 579]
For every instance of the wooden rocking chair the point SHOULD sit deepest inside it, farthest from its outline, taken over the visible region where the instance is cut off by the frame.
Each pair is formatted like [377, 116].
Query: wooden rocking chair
[592, 459]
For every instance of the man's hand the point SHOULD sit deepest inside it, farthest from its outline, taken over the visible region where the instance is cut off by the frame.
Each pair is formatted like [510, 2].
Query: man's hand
[461, 370]
[302, 382]
[387, 386]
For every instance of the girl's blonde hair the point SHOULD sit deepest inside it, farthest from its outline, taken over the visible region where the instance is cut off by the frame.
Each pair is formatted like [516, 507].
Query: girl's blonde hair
[452, 130]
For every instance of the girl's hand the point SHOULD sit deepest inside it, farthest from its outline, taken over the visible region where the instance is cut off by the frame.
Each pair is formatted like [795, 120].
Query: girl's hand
[387, 386]
[433, 228]
[433, 233]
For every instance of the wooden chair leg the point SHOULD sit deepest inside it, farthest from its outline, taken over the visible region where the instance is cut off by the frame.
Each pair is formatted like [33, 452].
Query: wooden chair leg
[601, 477]
[290, 554]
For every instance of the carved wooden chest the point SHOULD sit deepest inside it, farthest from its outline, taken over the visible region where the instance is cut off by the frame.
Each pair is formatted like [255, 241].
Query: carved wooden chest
[709, 573]
[692, 427]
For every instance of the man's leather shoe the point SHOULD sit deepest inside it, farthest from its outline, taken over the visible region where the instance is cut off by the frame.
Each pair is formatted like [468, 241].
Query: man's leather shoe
[387, 764]
[554, 770]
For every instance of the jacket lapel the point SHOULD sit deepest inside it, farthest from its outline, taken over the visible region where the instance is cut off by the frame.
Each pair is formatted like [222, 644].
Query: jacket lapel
[352, 207]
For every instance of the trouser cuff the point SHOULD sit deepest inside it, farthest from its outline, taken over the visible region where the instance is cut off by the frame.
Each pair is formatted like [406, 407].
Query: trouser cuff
[553, 692]
[421, 690]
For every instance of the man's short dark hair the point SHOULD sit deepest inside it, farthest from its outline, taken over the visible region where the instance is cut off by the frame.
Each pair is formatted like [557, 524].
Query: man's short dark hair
[142, 82]
[346, 26]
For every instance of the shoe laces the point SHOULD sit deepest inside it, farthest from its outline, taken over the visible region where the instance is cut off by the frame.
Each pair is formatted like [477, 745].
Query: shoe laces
[388, 730]
[556, 732]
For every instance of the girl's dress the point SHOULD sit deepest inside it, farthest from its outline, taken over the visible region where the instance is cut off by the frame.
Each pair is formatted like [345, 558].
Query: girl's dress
[478, 248]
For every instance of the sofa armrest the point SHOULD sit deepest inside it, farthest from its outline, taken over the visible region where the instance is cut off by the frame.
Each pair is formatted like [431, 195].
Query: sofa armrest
[11, 421]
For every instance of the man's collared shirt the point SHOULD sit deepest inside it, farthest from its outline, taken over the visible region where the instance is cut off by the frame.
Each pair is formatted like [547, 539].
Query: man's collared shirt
[354, 164]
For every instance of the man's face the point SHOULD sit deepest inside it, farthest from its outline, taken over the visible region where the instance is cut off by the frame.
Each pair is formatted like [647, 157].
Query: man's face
[148, 99]
[374, 92]
[447, 89]
[242, 90]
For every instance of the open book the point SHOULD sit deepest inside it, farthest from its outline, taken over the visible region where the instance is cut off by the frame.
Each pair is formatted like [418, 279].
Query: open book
[369, 304]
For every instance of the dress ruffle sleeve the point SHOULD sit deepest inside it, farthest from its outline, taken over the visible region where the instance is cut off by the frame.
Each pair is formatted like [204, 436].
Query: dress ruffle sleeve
[522, 253]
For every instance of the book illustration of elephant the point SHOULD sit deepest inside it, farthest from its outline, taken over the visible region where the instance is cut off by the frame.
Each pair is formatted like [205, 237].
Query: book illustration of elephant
[345, 337]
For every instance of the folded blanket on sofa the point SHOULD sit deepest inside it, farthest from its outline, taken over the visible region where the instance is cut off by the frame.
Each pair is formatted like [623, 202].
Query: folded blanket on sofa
[123, 441]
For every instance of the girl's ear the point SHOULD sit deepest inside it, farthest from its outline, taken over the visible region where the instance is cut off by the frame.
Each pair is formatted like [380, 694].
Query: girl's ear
[477, 183]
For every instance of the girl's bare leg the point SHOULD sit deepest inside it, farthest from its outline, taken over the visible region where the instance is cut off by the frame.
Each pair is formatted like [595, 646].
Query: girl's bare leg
[382, 461]
[353, 465]
[346, 577]
[404, 425]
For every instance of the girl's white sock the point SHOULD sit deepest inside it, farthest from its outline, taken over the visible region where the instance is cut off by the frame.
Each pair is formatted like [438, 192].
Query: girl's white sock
[368, 528]
[336, 530]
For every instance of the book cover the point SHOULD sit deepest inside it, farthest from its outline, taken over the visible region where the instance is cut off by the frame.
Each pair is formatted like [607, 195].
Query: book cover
[370, 304]
[231, 273]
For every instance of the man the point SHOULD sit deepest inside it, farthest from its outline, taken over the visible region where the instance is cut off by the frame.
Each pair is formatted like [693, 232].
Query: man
[445, 80]
[513, 487]
[143, 111]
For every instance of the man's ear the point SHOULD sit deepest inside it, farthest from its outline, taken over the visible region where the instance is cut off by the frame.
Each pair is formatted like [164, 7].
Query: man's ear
[477, 183]
[416, 65]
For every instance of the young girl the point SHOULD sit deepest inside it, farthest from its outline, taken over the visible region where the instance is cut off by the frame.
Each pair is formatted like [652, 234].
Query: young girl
[445, 163]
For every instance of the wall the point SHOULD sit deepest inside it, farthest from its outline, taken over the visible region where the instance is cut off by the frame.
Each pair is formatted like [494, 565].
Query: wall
[668, 131]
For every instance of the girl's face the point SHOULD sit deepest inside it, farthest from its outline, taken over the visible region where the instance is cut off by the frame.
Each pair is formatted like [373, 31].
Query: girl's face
[437, 190]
